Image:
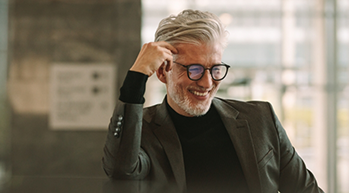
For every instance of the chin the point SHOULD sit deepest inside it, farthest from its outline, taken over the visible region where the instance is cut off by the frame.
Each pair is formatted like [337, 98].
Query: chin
[198, 112]
[185, 101]
[197, 109]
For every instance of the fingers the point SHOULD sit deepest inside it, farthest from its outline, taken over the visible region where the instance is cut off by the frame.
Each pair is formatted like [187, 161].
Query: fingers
[168, 65]
[169, 47]
[172, 50]
[152, 56]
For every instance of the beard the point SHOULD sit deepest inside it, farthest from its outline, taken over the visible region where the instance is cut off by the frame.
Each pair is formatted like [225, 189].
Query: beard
[181, 98]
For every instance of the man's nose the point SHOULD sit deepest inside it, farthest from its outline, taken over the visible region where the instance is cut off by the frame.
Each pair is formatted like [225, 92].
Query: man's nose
[206, 81]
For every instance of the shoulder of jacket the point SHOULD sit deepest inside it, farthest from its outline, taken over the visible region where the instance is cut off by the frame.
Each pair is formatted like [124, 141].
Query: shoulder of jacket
[248, 107]
[150, 109]
[150, 112]
[251, 103]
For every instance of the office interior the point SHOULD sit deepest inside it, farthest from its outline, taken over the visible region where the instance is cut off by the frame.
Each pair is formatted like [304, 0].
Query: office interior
[62, 63]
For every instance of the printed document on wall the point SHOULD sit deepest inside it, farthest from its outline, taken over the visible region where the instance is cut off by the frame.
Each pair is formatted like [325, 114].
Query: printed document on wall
[81, 96]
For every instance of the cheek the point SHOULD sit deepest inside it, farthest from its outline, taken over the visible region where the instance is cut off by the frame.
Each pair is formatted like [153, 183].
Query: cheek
[181, 75]
[216, 84]
[176, 74]
[181, 78]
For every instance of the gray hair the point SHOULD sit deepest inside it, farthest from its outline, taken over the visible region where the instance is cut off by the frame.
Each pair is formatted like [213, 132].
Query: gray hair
[192, 26]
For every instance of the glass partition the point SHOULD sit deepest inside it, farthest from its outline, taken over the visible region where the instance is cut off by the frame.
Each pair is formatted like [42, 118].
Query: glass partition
[292, 53]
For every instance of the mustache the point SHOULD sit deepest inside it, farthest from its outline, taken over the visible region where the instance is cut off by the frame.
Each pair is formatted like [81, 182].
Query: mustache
[199, 88]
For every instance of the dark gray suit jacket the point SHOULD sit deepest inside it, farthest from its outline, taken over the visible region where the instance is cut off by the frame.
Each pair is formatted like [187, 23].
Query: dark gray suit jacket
[142, 144]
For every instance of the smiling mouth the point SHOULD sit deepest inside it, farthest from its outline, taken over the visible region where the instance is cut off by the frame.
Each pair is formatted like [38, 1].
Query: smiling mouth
[201, 94]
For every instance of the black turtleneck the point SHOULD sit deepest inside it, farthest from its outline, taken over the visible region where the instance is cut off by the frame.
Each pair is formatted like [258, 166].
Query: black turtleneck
[210, 159]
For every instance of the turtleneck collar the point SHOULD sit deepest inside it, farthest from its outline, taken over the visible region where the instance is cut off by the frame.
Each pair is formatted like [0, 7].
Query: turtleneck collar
[190, 127]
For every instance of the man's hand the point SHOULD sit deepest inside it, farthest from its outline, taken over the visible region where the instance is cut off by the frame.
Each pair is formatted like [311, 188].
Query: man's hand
[152, 56]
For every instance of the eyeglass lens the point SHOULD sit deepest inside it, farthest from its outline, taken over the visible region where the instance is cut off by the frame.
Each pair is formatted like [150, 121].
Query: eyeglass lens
[196, 71]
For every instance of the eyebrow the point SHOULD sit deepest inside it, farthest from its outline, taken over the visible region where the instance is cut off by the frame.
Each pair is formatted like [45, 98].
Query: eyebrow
[198, 64]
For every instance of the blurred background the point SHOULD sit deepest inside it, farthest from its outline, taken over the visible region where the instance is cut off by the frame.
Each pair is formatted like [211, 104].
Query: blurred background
[62, 63]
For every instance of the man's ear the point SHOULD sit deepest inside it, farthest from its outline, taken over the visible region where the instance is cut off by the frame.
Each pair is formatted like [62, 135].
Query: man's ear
[161, 73]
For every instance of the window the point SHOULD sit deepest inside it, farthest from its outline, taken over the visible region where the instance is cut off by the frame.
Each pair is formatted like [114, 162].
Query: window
[300, 64]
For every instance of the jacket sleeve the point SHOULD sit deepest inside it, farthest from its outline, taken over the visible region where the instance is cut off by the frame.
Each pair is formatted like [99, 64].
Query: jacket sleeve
[294, 175]
[123, 156]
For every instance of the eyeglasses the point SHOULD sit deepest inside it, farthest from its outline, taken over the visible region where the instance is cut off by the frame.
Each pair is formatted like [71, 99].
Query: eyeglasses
[196, 71]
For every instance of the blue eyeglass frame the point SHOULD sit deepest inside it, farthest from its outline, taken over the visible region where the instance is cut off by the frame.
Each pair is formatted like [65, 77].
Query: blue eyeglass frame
[202, 74]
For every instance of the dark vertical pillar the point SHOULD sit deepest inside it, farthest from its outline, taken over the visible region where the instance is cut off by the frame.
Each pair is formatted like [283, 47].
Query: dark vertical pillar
[44, 32]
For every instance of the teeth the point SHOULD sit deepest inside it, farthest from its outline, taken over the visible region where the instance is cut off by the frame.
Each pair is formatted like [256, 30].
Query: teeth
[199, 93]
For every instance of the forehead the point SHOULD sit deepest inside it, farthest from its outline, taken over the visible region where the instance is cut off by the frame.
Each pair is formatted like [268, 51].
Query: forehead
[204, 54]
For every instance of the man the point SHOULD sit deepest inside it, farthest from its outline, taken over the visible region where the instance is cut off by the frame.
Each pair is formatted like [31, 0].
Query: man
[194, 140]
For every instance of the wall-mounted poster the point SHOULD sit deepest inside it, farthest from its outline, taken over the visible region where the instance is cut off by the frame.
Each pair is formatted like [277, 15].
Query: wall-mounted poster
[82, 96]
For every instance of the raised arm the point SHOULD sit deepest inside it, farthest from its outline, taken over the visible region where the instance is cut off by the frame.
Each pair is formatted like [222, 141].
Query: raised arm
[123, 156]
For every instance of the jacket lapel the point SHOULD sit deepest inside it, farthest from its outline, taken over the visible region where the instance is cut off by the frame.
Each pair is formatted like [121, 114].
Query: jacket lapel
[240, 135]
[238, 130]
[167, 135]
